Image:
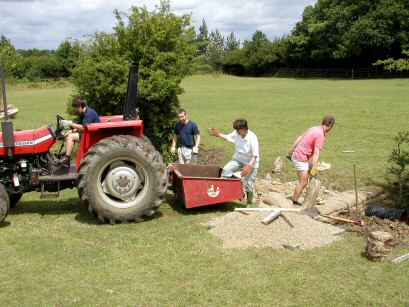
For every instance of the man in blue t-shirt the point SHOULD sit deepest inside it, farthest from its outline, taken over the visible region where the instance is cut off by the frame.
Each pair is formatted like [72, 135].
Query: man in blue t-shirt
[187, 135]
[88, 116]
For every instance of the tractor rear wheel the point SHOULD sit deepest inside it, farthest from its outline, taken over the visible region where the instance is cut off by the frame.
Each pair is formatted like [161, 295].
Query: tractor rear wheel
[122, 179]
[4, 203]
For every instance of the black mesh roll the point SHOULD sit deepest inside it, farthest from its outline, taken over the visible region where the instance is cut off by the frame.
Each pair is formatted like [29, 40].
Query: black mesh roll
[384, 213]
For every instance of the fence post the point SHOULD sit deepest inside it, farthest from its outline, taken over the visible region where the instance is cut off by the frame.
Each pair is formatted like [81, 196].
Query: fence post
[352, 73]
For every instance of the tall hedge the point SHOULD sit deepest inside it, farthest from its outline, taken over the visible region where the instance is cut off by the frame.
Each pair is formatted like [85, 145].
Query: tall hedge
[162, 43]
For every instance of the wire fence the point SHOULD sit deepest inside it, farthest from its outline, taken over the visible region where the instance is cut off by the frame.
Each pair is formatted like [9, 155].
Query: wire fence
[352, 73]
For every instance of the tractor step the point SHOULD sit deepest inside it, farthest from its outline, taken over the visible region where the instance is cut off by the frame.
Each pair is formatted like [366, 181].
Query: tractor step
[61, 174]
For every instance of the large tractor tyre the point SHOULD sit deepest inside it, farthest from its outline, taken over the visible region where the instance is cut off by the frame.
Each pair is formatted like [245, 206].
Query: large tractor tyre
[4, 203]
[122, 179]
[14, 199]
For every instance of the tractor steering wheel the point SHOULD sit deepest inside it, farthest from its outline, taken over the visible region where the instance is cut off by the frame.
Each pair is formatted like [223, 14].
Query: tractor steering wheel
[60, 128]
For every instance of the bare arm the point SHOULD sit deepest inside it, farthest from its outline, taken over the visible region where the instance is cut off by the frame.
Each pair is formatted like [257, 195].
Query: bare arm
[217, 133]
[197, 141]
[77, 127]
[174, 140]
[315, 157]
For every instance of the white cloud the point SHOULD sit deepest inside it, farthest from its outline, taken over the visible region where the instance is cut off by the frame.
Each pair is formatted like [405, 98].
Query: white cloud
[45, 24]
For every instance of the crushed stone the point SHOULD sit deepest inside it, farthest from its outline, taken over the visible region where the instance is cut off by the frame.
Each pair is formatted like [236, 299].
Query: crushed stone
[238, 230]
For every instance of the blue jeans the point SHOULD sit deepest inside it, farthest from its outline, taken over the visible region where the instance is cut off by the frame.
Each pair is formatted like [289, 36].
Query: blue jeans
[234, 166]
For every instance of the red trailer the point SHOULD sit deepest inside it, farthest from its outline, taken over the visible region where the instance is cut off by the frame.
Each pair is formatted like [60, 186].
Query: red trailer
[201, 185]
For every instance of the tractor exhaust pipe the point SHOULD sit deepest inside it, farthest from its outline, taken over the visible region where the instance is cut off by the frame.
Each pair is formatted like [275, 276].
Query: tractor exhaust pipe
[6, 124]
[130, 107]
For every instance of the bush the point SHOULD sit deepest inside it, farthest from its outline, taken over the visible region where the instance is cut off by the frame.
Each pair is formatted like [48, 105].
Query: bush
[163, 44]
[399, 158]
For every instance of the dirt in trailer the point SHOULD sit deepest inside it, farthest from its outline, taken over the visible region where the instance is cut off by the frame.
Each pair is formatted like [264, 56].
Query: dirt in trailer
[211, 157]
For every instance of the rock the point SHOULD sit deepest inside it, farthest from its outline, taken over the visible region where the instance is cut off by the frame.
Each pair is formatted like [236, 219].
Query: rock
[382, 236]
[375, 246]
[278, 165]
[323, 166]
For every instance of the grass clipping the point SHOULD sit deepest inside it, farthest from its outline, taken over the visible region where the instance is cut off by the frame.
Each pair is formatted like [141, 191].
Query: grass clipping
[238, 230]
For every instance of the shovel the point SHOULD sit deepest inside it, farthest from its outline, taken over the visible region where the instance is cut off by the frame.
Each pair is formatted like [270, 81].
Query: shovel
[313, 212]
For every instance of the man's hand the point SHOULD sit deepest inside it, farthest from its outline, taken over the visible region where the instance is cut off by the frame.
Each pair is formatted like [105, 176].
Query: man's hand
[246, 170]
[214, 132]
[313, 171]
[195, 150]
[173, 150]
[66, 123]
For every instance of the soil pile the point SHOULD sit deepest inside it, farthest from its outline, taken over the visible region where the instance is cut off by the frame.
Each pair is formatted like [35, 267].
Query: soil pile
[398, 230]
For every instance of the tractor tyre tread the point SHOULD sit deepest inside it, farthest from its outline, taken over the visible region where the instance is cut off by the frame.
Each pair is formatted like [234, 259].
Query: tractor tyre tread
[122, 145]
[4, 203]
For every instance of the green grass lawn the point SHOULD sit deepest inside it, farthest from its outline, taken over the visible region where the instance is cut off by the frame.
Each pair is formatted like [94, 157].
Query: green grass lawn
[55, 253]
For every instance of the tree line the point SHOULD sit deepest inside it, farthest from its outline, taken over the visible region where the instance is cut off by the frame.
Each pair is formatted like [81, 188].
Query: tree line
[331, 34]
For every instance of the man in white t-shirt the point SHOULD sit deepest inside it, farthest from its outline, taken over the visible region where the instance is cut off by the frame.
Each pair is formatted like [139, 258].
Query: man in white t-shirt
[246, 157]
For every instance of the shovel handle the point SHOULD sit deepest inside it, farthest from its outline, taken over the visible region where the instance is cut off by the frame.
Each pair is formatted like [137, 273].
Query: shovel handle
[356, 222]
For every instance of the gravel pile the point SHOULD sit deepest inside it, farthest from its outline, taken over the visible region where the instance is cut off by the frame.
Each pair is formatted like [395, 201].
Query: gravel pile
[238, 230]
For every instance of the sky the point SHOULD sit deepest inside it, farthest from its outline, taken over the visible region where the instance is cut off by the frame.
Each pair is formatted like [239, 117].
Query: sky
[44, 24]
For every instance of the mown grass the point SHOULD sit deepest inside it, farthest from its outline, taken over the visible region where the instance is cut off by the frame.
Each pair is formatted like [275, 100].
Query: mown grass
[368, 115]
[55, 253]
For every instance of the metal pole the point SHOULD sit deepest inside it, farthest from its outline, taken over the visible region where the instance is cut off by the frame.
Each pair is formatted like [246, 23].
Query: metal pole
[356, 189]
[3, 89]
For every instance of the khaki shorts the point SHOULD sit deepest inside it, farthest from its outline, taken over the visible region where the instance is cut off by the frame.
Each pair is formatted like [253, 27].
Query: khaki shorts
[186, 155]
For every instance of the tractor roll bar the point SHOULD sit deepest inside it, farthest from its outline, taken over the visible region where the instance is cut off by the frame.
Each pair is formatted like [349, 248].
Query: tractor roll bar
[6, 124]
[130, 107]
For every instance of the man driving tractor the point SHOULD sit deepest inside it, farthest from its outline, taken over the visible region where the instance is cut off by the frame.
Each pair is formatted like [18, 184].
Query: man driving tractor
[87, 116]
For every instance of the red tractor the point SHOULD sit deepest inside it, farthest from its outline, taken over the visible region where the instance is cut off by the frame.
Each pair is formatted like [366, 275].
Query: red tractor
[119, 174]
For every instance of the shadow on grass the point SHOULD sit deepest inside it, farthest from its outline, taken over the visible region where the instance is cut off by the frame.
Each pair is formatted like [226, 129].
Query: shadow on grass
[4, 224]
[52, 207]
[222, 207]
[69, 206]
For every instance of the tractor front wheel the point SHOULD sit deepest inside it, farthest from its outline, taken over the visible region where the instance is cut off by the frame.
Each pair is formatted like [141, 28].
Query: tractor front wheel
[122, 179]
[4, 203]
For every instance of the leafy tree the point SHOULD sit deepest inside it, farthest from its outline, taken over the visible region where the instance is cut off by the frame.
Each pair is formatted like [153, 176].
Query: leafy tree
[258, 56]
[43, 67]
[392, 64]
[341, 33]
[163, 44]
[67, 54]
[9, 57]
[232, 43]
[399, 158]
[202, 38]
[215, 50]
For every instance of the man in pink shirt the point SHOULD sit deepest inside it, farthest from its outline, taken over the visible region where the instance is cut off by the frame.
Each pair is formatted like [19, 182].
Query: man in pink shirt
[306, 152]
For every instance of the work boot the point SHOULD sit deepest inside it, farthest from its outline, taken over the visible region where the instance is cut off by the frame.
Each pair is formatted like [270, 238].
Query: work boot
[64, 161]
[249, 199]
